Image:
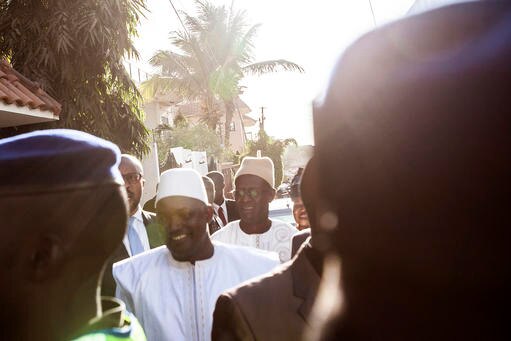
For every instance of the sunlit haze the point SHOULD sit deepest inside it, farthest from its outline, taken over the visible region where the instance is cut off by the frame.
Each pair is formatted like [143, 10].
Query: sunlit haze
[311, 34]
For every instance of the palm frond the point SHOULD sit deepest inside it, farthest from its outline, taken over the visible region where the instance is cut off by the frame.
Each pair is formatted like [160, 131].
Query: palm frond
[243, 49]
[44, 39]
[171, 63]
[269, 66]
[157, 85]
[214, 53]
[193, 24]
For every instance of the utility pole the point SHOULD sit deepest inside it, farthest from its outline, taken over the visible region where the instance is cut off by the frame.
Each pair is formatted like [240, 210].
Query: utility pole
[261, 120]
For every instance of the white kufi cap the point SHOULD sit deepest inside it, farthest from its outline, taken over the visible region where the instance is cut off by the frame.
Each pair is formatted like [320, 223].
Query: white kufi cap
[185, 182]
[258, 166]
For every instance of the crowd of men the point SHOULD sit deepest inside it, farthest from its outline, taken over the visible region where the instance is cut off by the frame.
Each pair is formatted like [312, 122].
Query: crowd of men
[405, 233]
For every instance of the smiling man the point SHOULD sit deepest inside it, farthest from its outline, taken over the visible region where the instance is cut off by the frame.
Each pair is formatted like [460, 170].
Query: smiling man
[255, 183]
[173, 289]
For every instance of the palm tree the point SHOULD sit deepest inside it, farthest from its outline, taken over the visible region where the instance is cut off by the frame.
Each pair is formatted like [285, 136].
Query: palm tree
[214, 53]
[74, 50]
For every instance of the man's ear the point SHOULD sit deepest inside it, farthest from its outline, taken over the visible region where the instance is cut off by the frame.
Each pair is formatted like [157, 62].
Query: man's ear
[270, 195]
[209, 213]
[44, 258]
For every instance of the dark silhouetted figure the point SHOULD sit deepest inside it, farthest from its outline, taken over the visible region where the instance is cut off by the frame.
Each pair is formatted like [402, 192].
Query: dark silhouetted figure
[63, 208]
[416, 125]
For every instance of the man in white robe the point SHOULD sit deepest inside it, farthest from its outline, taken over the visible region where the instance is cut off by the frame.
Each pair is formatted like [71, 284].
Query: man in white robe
[173, 289]
[254, 191]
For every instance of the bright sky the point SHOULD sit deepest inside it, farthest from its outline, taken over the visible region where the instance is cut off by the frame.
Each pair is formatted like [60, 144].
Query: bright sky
[309, 33]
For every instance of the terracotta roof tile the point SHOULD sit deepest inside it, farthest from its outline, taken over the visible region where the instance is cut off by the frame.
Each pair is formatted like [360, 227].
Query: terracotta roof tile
[16, 88]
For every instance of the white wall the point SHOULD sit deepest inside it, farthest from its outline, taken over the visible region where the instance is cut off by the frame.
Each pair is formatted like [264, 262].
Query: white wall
[151, 174]
[152, 110]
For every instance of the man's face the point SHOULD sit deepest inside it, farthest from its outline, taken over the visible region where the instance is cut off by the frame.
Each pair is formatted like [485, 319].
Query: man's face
[253, 196]
[300, 213]
[185, 222]
[132, 175]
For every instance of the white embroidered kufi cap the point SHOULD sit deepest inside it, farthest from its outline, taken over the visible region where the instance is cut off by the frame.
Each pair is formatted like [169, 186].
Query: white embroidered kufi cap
[184, 182]
[258, 166]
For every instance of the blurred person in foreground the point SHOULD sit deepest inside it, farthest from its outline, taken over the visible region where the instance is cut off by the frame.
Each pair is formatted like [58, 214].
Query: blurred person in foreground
[422, 143]
[254, 190]
[64, 210]
[276, 306]
[173, 289]
[224, 208]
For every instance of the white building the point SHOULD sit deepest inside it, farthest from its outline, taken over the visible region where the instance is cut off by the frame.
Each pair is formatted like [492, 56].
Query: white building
[164, 108]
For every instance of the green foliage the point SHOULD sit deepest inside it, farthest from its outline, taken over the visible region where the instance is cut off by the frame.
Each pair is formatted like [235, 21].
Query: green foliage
[209, 60]
[196, 137]
[180, 121]
[274, 149]
[74, 50]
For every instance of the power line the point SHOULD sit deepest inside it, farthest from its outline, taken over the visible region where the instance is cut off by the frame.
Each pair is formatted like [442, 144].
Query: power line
[372, 12]
[179, 18]
[209, 49]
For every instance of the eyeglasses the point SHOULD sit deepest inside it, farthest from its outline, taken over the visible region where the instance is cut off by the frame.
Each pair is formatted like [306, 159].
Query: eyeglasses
[252, 193]
[132, 178]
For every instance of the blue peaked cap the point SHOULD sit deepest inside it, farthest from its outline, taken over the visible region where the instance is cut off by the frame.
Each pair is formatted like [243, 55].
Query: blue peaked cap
[57, 160]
